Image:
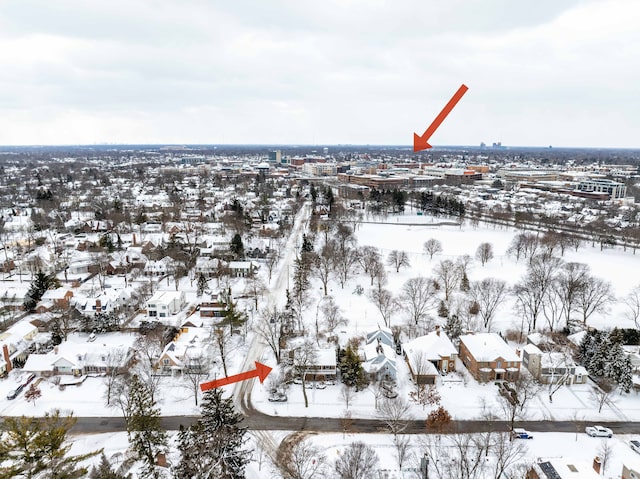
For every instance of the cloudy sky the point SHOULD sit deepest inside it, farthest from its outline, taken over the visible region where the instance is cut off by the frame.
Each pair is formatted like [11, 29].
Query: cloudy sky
[539, 72]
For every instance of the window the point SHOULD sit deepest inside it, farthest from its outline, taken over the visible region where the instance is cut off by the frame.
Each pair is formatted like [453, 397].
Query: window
[165, 362]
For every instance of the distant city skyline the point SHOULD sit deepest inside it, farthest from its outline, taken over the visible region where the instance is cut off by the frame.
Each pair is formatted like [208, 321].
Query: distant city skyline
[291, 72]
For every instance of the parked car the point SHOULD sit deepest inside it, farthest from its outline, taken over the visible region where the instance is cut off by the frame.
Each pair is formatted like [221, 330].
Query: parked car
[598, 431]
[320, 385]
[14, 393]
[519, 433]
[278, 397]
[635, 445]
[30, 378]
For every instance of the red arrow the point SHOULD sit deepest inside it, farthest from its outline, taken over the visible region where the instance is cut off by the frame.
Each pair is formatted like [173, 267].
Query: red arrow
[261, 371]
[421, 142]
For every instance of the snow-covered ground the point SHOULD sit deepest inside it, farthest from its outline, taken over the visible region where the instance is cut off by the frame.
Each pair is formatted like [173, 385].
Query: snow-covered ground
[460, 395]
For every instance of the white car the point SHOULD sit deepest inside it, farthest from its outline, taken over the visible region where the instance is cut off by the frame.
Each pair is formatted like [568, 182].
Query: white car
[598, 431]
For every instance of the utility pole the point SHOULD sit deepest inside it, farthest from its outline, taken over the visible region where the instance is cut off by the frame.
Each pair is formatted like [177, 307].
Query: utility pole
[424, 467]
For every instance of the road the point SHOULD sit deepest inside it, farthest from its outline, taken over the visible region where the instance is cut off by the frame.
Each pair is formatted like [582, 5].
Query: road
[261, 422]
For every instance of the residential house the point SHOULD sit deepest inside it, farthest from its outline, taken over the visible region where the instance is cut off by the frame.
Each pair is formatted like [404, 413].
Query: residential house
[552, 367]
[160, 268]
[385, 336]
[379, 361]
[165, 303]
[15, 343]
[630, 468]
[488, 357]
[189, 350]
[59, 298]
[324, 367]
[110, 300]
[564, 468]
[212, 309]
[429, 355]
[208, 267]
[242, 269]
[78, 356]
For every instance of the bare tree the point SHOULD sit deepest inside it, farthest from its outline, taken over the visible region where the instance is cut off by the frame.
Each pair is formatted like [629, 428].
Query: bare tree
[398, 259]
[532, 289]
[357, 461]
[396, 413]
[402, 444]
[272, 327]
[347, 393]
[324, 264]
[489, 294]
[385, 302]
[255, 288]
[509, 456]
[370, 261]
[115, 363]
[332, 315]
[552, 308]
[417, 296]
[601, 394]
[484, 253]
[432, 246]
[515, 397]
[570, 280]
[222, 341]
[448, 276]
[303, 359]
[271, 260]
[605, 453]
[593, 297]
[299, 458]
[196, 370]
[632, 303]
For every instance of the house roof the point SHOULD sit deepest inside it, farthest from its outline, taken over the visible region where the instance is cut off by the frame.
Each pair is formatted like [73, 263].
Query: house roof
[385, 335]
[432, 346]
[488, 347]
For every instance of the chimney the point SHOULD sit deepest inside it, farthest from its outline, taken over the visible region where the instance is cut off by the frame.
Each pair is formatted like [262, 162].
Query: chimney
[134, 240]
[55, 350]
[161, 459]
[518, 352]
[98, 305]
[597, 464]
[437, 330]
[7, 358]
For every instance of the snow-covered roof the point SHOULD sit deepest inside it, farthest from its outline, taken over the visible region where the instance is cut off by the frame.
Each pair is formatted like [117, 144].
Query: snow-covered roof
[488, 346]
[432, 346]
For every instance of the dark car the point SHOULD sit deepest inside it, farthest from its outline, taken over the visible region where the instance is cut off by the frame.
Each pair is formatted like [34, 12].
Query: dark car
[14, 394]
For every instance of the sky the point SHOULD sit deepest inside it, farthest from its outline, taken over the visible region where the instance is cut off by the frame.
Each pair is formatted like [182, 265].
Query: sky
[539, 72]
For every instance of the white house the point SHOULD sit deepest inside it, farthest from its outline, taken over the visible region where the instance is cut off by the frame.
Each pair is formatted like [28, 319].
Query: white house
[552, 367]
[429, 354]
[165, 303]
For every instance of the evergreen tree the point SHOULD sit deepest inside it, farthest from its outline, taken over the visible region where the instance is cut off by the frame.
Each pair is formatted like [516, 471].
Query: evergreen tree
[37, 447]
[625, 376]
[202, 284]
[212, 448]
[453, 327]
[618, 367]
[237, 248]
[145, 432]
[597, 364]
[307, 244]
[587, 348]
[351, 370]
[104, 471]
[464, 282]
[443, 311]
[40, 284]
[232, 316]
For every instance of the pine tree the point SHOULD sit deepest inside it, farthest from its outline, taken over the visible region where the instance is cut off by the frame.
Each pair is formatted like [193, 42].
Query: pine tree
[37, 447]
[40, 284]
[351, 370]
[146, 435]
[232, 316]
[202, 285]
[443, 311]
[212, 448]
[600, 358]
[453, 326]
[625, 376]
[464, 282]
[104, 471]
[237, 248]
